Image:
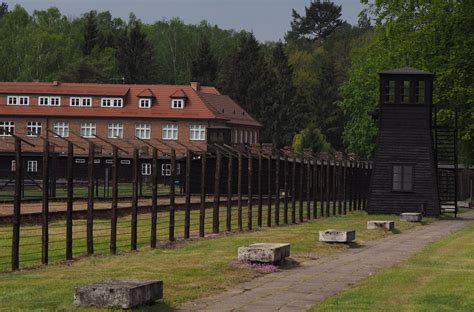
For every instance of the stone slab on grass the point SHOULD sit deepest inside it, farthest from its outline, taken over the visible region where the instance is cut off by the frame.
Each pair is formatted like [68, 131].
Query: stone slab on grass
[411, 216]
[337, 236]
[123, 294]
[264, 252]
[388, 225]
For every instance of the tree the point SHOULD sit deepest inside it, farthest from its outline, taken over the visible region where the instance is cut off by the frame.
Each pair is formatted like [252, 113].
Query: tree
[204, 65]
[136, 56]
[320, 20]
[90, 32]
[3, 9]
[311, 137]
[434, 36]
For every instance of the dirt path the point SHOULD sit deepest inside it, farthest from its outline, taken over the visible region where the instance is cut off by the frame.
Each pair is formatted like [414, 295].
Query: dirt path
[299, 289]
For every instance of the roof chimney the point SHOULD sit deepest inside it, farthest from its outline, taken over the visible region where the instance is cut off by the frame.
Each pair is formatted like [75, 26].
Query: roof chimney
[55, 83]
[196, 85]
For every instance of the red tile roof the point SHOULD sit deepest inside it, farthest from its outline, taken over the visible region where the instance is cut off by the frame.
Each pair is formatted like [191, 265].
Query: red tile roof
[146, 93]
[208, 103]
[179, 94]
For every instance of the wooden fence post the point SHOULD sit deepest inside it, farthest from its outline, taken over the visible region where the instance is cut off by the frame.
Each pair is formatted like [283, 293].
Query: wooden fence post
[328, 186]
[359, 188]
[293, 191]
[308, 189]
[187, 207]
[260, 198]
[216, 204]
[239, 192]
[315, 189]
[269, 176]
[17, 205]
[339, 187]
[172, 195]
[344, 186]
[301, 188]
[202, 210]
[113, 221]
[154, 197]
[90, 199]
[70, 198]
[249, 191]
[277, 189]
[321, 188]
[285, 186]
[136, 168]
[45, 204]
[229, 193]
[334, 186]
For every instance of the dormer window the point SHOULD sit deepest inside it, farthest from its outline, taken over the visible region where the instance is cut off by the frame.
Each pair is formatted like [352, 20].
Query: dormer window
[49, 101]
[177, 103]
[81, 101]
[111, 102]
[144, 103]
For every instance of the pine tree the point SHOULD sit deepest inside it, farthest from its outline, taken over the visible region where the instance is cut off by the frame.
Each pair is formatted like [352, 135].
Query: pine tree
[204, 66]
[136, 56]
[320, 20]
[90, 32]
[3, 9]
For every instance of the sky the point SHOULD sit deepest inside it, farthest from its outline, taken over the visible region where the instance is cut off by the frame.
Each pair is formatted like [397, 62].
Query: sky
[267, 19]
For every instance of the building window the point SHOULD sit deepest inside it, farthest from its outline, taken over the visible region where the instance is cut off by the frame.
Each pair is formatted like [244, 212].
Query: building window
[143, 131]
[49, 101]
[111, 102]
[246, 136]
[170, 132]
[33, 128]
[115, 131]
[256, 137]
[405, 91]
[88, 130]
[241, 136]
[7, 127]
[251, 137]
[236, 136]
[96, 161]
[32, 166]
[197, 132]
[144, 103]
[81, 101]
[389, 90]
[177, 103]
[109, 161]
[80, 161]
[166, 169]
[61, 129]
[18, 100]
[402, 178]
[420, 92]
[146, 169]
[13, 166]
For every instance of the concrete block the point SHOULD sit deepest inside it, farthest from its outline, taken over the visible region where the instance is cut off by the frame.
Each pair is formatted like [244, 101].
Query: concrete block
[337, 236]
[388, 225]
[123, 294]
[411, 216]
[264, 252]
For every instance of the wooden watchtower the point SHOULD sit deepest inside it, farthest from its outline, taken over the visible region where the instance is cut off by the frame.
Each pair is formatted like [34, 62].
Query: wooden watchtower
[404, 177]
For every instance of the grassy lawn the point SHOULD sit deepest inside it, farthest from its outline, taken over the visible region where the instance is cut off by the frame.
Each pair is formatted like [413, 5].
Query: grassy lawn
[440, 278]
[189, 269]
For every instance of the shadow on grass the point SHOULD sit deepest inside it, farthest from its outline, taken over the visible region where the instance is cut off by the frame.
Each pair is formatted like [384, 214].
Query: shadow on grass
[288, 264]
[158, 306]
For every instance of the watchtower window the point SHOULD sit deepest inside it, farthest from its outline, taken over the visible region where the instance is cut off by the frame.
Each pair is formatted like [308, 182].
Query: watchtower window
[402, 178]
[420, 92]
[389, 90]
[405, 91]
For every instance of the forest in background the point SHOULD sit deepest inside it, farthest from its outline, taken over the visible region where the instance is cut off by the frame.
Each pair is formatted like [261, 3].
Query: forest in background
[313, 89]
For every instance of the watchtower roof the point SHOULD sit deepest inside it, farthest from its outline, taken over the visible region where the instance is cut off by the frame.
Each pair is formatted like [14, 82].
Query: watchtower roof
[405, 71]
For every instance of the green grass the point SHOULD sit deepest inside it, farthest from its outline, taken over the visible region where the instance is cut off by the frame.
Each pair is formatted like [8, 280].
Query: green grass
[189, 269]
[440, 278]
